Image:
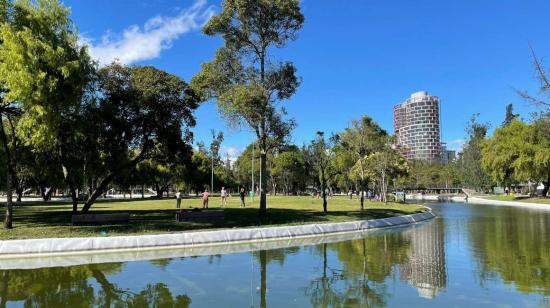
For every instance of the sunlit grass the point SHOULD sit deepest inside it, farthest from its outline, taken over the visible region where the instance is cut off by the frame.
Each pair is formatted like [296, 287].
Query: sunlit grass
[149, 216]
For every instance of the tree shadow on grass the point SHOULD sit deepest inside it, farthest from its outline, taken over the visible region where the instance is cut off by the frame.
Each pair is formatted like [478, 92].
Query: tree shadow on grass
[161, 221]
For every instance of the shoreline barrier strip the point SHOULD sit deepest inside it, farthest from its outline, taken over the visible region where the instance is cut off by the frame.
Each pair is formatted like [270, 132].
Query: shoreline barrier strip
[85, 245]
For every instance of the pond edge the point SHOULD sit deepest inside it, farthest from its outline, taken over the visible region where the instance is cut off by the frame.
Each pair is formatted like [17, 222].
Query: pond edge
[538, 206]
[32, 248]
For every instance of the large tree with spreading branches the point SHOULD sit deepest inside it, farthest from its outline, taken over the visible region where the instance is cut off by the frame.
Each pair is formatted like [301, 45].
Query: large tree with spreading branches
[244, 79]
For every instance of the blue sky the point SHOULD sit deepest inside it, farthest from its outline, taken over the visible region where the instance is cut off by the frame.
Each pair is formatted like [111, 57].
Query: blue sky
[356, 57]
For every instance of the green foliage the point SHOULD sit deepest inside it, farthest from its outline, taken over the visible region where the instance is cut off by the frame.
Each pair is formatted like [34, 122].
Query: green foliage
[426, 174]
[243, 78]
[472, 173]
[517, 152]
[243, 166]
[142, 113]
[363, 138]
[384, 166]
[320, 154]
[289, 170]
[343, 163]
[43, 67]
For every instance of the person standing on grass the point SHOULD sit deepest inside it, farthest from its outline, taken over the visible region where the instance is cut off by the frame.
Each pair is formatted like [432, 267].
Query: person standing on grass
[205, 199]
[178, 199]
[223, 193]
[242, 195]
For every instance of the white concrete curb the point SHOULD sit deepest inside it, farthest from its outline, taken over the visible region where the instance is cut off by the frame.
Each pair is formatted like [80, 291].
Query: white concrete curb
[538, 206]
[75, 246]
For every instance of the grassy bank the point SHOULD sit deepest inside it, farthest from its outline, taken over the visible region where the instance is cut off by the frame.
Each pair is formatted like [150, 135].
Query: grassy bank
[40, 220]
[518, 199]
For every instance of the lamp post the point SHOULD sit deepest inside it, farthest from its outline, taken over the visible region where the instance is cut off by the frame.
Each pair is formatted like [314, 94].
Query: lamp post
[253, 146]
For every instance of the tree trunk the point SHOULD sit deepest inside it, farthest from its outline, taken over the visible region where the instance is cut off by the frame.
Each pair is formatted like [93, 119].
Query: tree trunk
[325, 280]
[49, 194]
[46, 193]
[74, 197]
[108, 288]
[8, 222]
[19, 193]
[263, 278]
[263, 181]
[142, 191]
[546, 187]
[160, 191]
[323, 191]
[108, 179]
[4, 284]
[99, 190]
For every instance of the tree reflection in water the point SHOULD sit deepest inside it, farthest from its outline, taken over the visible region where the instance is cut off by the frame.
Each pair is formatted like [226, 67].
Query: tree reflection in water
[72, 287]
[513, 244]
[264, 257]
[358, 278]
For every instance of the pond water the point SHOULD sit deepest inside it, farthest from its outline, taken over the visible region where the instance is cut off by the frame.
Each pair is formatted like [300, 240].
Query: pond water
[470, 256]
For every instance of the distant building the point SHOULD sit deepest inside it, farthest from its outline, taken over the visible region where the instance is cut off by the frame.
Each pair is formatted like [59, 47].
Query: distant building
[447, 156]
[417, 127]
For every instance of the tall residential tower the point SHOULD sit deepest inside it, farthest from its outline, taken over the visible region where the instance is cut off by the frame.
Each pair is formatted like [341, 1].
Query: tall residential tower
[416, 126]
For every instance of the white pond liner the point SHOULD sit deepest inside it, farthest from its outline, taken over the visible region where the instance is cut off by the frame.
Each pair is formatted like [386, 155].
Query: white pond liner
[21, 251]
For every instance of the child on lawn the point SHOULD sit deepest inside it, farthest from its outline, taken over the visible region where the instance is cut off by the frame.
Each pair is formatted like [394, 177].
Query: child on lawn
[205, 199]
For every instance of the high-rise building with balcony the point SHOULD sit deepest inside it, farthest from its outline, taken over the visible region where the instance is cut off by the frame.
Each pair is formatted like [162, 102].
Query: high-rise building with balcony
[417, 128]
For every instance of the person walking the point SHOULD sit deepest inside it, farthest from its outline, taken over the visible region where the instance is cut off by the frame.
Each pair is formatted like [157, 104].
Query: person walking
[205, 199]
[178, 199]
[224, 197]
[242, 195]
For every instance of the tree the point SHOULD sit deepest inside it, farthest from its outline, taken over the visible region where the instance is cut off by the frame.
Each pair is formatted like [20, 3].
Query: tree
[246, 82]
[343, 164]
[42, 68]
[198, 173]
[510, 115]
[321, 155]
[217, 140]
[473, 174]
[517, 152]
[363, 138]
[143, 113]
[158, 175]
[544, 85]
[384, 165]
[289, 169]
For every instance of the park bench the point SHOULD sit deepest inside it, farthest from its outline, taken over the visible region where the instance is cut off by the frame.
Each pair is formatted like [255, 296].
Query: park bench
[100, 219]
[199, 215]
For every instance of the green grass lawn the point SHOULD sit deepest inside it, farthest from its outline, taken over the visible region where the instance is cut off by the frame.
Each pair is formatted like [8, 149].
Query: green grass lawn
[518, 199]
[40, 220]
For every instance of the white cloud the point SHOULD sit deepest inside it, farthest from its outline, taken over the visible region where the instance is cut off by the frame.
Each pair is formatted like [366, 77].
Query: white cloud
[144, 43]
[232, 152]
[455, 144]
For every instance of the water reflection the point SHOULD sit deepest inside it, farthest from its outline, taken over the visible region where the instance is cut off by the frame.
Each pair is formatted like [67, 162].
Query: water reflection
[425, 266]
[513, 245]
[358, 278]
[81, 286]
[413, 266]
